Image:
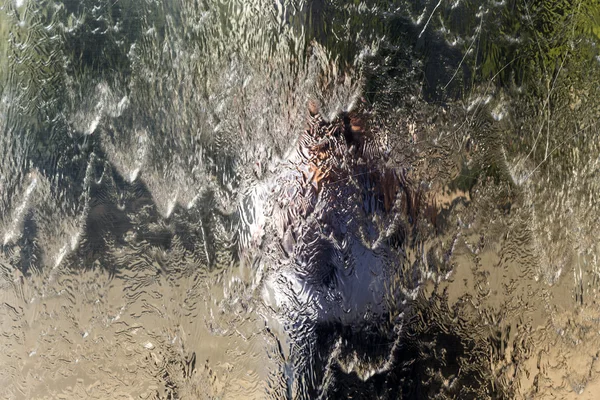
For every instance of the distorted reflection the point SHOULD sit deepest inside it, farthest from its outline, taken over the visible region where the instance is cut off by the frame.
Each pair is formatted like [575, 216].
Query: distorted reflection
[299, 199]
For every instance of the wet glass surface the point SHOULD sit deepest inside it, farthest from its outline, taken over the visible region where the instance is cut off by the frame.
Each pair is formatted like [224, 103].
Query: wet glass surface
[299, 199]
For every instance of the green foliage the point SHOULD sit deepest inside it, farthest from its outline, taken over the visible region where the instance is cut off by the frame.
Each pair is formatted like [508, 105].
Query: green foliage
[526, 42]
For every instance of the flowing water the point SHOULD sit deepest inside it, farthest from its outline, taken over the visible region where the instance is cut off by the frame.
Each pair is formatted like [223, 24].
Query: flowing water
[230, 199]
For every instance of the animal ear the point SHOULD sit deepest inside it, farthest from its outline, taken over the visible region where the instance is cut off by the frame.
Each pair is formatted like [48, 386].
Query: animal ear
[390, 186]
[313, 107]
[354, 130]
[357, 124]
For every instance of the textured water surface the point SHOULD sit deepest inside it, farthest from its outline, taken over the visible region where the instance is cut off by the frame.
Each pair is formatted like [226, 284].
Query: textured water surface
[299, 199]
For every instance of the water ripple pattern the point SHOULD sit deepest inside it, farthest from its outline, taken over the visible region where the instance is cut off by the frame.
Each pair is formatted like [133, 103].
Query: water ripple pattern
[205, 199]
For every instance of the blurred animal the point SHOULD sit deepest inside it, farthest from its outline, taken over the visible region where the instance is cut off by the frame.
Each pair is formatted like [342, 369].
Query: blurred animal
[334, 222]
